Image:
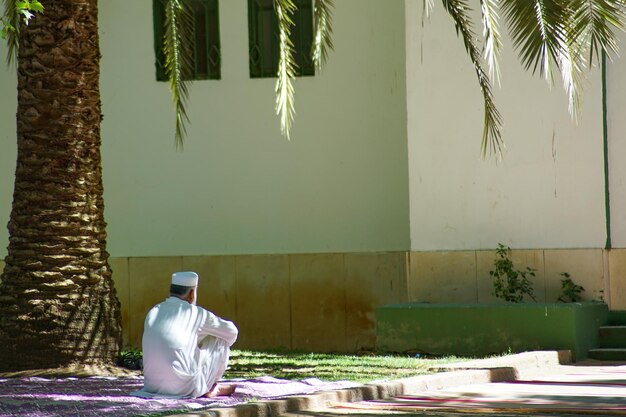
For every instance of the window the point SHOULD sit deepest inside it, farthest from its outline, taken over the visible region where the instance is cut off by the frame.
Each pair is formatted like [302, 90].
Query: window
[206, 36]
[264, 41]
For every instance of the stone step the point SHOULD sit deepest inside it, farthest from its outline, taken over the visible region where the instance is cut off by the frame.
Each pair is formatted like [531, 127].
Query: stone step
[608, 354]
[612, 336]
[617, 318]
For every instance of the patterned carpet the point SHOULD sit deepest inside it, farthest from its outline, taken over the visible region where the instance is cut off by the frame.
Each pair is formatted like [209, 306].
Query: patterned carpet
[98, 396]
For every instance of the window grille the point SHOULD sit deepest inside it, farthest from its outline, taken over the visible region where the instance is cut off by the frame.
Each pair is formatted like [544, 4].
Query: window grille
[264, 40]
[206, 36]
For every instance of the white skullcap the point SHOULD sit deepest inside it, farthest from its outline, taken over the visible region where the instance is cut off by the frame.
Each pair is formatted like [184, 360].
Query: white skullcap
[185, 279]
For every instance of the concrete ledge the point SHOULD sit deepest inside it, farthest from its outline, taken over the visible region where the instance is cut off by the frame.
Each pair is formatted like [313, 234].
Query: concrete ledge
[486, 329]
[505, 368]
[525, 360]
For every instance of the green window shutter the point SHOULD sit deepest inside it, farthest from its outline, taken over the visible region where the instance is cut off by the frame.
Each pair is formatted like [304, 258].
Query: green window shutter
[264, 42]
[206, 36]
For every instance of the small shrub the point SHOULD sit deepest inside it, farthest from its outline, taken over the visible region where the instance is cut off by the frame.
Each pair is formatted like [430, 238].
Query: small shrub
[570, 292]
[509, 283]
[131, 358]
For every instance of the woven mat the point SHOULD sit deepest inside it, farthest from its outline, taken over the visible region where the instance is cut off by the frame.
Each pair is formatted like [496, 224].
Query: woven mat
[98, 396]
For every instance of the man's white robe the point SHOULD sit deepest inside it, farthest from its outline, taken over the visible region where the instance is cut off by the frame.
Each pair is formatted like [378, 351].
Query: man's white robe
[185, 349]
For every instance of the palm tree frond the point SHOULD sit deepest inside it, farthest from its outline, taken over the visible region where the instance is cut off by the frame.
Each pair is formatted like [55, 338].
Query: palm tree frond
[322, 32]
[427, 7]
[594, 25]
[572, 64]
[286, 66]
[460, 11]
[10, 22]
[11, 28]
[493, 39]
[178, 60]
[538, 32]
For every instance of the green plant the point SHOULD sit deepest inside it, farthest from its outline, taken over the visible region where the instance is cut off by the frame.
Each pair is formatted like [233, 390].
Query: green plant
[131, 358]
[570, 292]
[24, 9]
[510, 284]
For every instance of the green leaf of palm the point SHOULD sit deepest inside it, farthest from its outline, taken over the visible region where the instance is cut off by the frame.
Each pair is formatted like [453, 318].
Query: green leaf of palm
[460, 12]
[594, 25]
[491, 33]
[11, 17]
[542, 32]
[591, 26]
[36, 6]
[286, 65]
[322, 32]
[571, 62]
[538, 29]
[560, 32]
[178, 60]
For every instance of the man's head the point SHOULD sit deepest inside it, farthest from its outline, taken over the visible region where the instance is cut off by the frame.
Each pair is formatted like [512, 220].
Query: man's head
[184, 286]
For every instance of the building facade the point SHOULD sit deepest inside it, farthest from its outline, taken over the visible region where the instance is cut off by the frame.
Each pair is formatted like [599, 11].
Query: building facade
[380, 196]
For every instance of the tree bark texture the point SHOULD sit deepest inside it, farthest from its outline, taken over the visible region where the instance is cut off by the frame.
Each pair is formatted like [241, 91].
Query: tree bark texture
[57, 300]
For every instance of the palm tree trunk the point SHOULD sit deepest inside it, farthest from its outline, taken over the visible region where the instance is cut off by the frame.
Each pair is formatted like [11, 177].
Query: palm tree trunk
[57, 300]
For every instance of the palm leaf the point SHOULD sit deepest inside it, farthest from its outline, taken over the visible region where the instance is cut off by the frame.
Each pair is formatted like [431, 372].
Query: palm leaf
[594, 25]
[571, 62]
[322, 32]
[10, 22]
[178, 60]
[11, 18]
[590, 27]
[559, 32]
[460, 12]
[493, 39]
[427, 6]
[286, 65]
[538, 32]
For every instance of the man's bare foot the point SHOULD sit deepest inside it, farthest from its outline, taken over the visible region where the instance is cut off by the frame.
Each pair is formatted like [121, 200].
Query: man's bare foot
[221, 390]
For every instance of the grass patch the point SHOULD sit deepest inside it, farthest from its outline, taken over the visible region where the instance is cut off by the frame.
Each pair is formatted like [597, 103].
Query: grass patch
[329, 367]
[296, 365]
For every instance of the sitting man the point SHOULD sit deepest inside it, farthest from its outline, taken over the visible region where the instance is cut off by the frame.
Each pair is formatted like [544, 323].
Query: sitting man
[185, 347]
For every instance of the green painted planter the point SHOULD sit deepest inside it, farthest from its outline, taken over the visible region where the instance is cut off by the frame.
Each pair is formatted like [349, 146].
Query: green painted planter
[483, 329]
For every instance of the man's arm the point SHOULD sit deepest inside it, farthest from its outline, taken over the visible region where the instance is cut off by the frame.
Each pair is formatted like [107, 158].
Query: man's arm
[218, 327]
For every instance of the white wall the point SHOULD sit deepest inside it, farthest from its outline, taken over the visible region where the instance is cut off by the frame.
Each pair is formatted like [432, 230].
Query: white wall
[616, 133]
[8, 145]
[340, 184]
[548, 192]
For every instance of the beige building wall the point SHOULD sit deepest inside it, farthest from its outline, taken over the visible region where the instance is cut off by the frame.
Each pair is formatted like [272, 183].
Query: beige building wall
[548, 191]
[380, 196]
[546, 196]
[616, 133]
[463, 276]
[239, 187]
[327, 302]
[239, 190]
[339, 185]
[8, 148]
[316, 302]
[617, 279]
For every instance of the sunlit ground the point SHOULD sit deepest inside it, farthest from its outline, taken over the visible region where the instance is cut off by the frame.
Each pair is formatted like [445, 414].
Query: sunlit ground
[329, 367]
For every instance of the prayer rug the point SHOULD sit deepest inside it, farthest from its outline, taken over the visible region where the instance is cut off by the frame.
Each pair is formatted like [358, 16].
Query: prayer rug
[110, 396]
